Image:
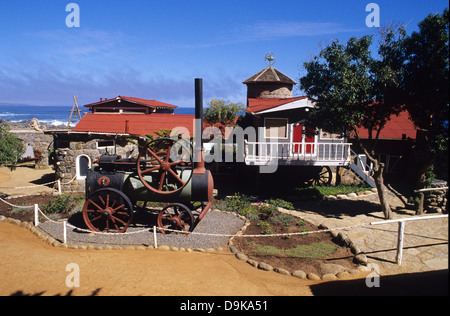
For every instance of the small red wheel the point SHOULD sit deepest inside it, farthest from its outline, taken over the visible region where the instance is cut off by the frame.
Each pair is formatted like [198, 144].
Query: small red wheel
[108, 209]
[177, 217]
[166, 160]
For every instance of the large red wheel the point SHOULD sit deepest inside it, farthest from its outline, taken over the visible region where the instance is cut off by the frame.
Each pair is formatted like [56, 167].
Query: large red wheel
[166, 160]
[108, 209]
[176, 217]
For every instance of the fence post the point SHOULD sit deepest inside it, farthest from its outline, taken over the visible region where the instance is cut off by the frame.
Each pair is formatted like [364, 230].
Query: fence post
[154, 238]
[401, 231]
[36, 215]
[65, 232]
[59, 187]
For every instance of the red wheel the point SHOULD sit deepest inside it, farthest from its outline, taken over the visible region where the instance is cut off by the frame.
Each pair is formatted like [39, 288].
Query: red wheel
[108, 209]
[177, 217]
[168, 162]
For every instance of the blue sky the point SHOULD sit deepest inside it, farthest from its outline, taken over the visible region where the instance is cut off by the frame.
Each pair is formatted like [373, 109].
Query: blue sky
[155, 48]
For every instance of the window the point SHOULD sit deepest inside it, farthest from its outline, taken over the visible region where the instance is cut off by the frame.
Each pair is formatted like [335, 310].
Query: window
[83, 164]
[275, 127]
[102, 144]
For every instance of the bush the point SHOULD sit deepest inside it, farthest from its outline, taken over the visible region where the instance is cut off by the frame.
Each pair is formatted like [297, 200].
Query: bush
[237, 202]
[282, 218]
[281, 203]
[11, 147]
[62, 204]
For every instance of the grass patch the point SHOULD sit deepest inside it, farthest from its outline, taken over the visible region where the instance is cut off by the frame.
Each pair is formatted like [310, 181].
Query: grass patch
[318, 250]
[331, 190]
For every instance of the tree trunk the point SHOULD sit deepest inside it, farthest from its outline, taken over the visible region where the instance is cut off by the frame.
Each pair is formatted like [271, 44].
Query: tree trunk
[381, 188]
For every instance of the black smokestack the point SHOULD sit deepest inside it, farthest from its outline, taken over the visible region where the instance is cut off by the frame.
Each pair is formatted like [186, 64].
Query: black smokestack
[198, 115]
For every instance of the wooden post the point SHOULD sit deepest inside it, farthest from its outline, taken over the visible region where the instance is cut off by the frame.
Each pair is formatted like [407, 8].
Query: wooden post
[401, 232]
[36, 215]
[155, 242]
[65, 232]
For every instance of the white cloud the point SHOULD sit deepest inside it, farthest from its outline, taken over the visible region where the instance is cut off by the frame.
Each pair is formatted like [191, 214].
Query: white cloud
[280, 29]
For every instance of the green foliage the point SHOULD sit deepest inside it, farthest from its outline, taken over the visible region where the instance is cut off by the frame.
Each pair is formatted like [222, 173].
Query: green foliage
[426, 81]
[300, 222]
[312, 251]
[219, 113]
[267, 231]
[280, 203]
[61, 204]
[11, 147]
[282, 218]
[345, 80]
[263, 224]
[237, 202]
[332, 190]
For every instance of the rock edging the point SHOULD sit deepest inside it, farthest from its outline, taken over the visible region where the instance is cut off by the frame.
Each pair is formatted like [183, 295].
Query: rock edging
[359, 258]
[56, 243]
[350, 195]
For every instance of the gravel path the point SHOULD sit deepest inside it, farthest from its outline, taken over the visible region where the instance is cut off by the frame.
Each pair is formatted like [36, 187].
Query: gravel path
[215, 222]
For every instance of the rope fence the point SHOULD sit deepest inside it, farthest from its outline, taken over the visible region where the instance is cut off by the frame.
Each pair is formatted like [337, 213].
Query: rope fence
[154, 229]
[44, 185]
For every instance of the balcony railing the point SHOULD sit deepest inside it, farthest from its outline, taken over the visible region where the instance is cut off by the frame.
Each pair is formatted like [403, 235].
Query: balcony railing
[320, 154]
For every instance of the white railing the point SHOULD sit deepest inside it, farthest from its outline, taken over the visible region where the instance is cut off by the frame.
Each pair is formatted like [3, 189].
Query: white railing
[308, 153]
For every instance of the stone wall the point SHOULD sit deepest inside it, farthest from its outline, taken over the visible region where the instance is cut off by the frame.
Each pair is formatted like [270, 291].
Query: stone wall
[37, 140]
[269, 90]
[436, 201]
[68, 149]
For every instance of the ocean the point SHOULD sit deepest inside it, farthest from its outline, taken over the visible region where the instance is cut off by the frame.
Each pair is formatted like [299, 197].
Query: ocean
[50, 115]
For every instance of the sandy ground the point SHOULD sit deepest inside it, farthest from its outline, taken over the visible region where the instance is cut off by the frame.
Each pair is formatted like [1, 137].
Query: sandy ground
[30, 267]
[25, 175]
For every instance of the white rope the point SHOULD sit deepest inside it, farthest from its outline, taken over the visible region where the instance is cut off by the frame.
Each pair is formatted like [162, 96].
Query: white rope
[16, 206]
[39, 185]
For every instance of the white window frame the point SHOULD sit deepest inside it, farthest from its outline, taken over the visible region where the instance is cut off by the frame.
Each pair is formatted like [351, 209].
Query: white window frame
[77, 166]
[276, 118]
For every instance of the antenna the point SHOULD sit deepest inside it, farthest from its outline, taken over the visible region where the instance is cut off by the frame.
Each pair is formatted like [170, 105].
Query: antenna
[75, 111]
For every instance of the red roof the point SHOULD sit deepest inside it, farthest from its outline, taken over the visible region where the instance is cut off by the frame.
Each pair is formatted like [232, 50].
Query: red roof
[134, 124]
[145, 102]
[261, 104]
[394, 129]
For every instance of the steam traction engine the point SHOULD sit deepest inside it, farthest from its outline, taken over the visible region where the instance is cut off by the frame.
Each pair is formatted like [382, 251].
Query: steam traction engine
[165, 171]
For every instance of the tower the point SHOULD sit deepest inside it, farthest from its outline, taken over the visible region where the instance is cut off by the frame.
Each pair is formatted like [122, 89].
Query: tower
[269, 82]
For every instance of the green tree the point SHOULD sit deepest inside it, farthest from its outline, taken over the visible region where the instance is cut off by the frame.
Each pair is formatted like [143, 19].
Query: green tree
[221, 114]
[426, 88]
[353, 89]
[11, 147]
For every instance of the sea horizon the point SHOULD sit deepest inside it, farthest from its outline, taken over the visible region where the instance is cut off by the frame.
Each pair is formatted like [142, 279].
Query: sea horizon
[53, 115]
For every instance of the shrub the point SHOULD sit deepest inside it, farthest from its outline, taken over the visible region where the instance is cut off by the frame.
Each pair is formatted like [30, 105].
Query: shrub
[62, 204]
[237, 202]
[282, 218]
[281, 203]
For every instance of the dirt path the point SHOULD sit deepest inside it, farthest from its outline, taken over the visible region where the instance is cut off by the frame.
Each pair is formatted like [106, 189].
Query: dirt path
[30, 267]
[11, 182]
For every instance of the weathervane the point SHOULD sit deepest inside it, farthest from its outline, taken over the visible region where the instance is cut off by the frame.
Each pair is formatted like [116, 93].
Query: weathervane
[270, 58]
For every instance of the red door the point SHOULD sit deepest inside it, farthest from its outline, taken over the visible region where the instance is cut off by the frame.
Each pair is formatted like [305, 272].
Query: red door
[298, 140]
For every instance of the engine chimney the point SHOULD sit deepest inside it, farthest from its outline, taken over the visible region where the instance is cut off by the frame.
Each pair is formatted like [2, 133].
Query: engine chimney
[198, 128]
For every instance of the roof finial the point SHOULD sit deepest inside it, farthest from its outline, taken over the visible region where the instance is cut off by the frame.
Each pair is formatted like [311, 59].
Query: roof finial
[270, 59]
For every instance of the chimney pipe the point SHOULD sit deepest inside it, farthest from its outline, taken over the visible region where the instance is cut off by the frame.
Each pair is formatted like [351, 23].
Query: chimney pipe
[198, 128]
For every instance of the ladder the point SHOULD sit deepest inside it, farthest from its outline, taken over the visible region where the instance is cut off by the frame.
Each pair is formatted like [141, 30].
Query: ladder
[360, 167]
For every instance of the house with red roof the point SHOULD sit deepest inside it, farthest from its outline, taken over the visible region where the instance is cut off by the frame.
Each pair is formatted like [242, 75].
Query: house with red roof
[107, 128]
[283, 138]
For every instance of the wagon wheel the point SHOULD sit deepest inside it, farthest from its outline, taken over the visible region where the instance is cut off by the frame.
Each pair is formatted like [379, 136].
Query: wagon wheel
[167, 159]
[108, 209]
[177, 217]
[323, 177]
